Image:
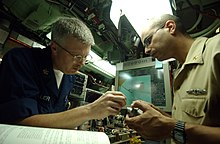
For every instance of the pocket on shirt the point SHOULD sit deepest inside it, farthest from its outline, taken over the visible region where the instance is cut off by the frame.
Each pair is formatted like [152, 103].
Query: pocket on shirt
[194, 106]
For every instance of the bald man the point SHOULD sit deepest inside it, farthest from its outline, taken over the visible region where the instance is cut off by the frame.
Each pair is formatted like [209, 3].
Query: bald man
[196, 104]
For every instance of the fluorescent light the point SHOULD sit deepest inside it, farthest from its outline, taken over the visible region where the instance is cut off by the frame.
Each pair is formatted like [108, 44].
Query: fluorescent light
[37, 45]
[106, 67]
[138, 11]
[95, 57]
[103, 65]
[49, 35]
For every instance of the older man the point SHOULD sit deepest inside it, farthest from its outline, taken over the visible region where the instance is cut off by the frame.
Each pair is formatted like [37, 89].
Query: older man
[35, 83]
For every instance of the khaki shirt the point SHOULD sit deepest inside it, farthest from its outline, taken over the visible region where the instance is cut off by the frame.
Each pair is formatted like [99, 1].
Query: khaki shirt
[197, 84]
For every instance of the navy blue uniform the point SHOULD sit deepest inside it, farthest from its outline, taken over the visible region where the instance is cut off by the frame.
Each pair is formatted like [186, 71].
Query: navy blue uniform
[28, 85]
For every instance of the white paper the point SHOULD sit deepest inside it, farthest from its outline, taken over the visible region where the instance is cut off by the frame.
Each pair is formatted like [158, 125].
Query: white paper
[11, 134]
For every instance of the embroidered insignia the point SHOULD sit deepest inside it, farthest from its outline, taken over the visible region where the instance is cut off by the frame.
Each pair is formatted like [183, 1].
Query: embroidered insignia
[197, 91]
[45, 98]
[45, 72]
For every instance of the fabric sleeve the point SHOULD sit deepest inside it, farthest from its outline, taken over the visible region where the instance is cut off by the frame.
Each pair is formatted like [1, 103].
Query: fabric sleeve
[17, 86]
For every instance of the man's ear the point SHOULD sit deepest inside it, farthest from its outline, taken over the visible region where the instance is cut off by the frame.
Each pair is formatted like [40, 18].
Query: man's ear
[171, 25]
[53, 47]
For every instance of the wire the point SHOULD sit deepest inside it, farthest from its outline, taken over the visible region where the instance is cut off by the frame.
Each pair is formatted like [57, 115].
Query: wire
[208, 30]
[196, 23]
[198, 19]
[203, 12]
[94, 82]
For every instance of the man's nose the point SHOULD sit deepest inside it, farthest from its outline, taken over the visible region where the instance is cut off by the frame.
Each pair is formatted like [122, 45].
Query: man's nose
[147, 50]
[81, 63]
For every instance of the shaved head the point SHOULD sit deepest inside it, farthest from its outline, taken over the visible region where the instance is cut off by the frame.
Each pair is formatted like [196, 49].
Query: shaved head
[159, 21]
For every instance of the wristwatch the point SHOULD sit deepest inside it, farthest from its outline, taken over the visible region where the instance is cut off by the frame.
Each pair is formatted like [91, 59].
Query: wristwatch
[178, 133]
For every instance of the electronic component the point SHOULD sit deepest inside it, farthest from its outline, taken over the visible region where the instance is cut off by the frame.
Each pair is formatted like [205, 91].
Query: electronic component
[132, 112]
[79, 87]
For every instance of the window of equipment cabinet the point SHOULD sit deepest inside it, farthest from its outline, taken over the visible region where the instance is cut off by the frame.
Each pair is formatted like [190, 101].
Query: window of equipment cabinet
[141, 79]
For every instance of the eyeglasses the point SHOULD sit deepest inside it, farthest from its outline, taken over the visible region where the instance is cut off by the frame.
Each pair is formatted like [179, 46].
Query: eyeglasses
[76, 57]
[148, 39]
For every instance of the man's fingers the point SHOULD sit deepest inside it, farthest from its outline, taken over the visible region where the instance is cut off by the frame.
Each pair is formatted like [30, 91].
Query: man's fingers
[141, 105]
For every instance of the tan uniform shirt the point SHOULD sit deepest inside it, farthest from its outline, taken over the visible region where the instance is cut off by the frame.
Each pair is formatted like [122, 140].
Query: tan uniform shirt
[197, 84]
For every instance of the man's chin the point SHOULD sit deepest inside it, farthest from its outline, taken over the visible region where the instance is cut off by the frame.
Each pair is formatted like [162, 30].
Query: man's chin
[72, 71]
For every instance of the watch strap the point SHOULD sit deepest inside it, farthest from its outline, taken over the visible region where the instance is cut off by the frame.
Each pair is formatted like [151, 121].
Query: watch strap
[180, 129]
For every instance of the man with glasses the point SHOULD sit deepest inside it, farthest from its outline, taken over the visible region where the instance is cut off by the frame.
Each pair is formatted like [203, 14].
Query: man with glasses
[35, 83]
[196, 101]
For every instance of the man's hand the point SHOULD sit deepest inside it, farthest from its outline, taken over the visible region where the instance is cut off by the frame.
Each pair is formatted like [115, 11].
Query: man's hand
[109, 103]
[151, 124]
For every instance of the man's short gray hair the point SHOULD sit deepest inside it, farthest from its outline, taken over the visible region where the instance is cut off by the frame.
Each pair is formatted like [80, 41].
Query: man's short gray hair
[66, 27]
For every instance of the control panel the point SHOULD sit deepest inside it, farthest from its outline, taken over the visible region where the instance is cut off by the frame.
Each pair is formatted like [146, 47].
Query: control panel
[79, 87]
